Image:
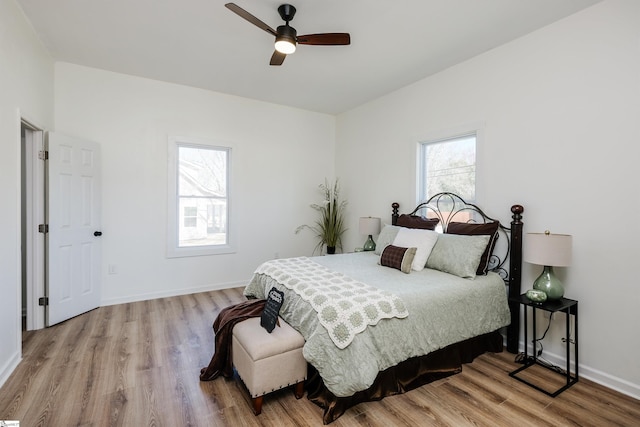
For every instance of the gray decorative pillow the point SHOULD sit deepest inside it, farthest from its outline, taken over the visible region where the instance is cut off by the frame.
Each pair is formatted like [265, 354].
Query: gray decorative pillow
[386, 237]
[398, 258]
[473, 229]
[458, 254]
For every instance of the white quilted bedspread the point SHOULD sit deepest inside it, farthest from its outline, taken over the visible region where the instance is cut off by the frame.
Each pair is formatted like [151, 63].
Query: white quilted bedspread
[344, 305]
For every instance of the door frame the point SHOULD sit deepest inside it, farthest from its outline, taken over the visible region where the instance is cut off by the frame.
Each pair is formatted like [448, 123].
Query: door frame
[33, 265]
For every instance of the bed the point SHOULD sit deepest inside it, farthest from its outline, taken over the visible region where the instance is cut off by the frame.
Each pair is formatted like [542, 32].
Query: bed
[381, 323]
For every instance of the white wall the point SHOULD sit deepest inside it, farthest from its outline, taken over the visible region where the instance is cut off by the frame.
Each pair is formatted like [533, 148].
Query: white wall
[560, 109]
[26, 88]
[280, 155]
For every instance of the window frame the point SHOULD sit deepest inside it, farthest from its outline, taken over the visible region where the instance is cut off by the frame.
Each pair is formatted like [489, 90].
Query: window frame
[173, 200]
[476, 129]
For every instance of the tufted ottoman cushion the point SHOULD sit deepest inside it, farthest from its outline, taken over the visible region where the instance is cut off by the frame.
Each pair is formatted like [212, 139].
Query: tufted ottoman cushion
[267, 362]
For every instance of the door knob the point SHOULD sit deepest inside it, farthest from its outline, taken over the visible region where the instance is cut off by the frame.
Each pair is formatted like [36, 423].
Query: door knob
[97, 233]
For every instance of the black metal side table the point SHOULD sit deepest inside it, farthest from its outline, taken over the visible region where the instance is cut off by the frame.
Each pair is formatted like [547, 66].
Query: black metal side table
[567, 306]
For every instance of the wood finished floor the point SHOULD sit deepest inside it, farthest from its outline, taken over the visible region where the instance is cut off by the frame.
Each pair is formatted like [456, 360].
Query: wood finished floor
[137, 365]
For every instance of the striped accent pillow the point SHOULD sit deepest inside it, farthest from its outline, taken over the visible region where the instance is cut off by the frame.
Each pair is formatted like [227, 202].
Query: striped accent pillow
[398, 258]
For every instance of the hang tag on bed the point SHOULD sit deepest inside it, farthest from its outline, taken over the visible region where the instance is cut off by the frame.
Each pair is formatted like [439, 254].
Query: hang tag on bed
[269, 316]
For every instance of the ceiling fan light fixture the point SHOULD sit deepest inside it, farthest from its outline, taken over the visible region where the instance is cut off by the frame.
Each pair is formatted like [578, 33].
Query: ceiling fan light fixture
[286, 39]
[285, 46]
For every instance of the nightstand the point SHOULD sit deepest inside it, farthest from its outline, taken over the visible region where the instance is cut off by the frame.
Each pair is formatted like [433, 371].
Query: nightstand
[570, 308]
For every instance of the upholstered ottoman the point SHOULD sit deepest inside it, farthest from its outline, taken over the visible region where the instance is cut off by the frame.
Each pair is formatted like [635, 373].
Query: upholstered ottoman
[267, 362]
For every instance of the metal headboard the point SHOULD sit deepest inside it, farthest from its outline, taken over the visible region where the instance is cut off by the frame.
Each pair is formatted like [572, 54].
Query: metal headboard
[449, 207]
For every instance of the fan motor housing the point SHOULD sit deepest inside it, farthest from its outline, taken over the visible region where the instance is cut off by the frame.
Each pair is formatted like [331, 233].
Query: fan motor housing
[288, 32]
[287, 12]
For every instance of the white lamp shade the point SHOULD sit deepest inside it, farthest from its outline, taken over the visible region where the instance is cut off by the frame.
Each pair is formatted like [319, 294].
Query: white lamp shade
[547, 249]
[369, 225]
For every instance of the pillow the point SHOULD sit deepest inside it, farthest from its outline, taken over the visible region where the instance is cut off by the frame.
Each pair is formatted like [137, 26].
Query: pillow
[385, 238]
[398, 258]
[414, 221]
[471, 229]
[458, 254]
[422, 240]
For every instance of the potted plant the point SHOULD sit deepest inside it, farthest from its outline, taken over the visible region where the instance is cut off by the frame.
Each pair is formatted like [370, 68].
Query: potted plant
[330, 227]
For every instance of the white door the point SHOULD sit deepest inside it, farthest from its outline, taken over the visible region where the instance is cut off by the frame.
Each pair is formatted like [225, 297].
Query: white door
[73, 241]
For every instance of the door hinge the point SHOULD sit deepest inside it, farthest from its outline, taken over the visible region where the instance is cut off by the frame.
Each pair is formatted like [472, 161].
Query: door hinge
[43, 228]
[43, 301]
[43, 155]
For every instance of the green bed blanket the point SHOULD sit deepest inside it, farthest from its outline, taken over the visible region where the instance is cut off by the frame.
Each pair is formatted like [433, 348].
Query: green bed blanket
[443, 309]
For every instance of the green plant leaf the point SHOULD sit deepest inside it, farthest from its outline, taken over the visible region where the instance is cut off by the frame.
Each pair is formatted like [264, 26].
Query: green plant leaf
[330, 227]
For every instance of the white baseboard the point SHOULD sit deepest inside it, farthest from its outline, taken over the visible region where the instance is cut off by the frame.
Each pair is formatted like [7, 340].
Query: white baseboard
[597, 376]
[171, 293]
[9, 367]
[592, 374]
[615, 383]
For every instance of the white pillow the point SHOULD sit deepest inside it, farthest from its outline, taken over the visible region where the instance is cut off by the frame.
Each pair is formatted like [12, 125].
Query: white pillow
[422, 240]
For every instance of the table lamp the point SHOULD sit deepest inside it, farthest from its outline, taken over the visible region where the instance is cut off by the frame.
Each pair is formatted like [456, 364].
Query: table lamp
[369, 226]
[549, 250]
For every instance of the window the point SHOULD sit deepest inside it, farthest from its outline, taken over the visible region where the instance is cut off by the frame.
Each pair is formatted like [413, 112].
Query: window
[448, 165]
[190, 216]
[198, 198]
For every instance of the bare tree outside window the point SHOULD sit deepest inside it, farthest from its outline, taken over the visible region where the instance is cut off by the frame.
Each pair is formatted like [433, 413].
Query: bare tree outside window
[199, 203]
[448, 165]
[202, 194]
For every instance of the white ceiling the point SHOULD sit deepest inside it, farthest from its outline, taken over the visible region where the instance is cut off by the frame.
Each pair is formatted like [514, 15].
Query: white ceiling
[201, 43]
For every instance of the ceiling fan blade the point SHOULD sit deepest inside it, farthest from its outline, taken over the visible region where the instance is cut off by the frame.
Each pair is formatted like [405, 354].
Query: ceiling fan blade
[277, 58]
[249, 17]
[327, 39]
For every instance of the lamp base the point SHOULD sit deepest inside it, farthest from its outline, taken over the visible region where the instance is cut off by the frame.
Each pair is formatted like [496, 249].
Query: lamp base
[549, 284]
[369, 245]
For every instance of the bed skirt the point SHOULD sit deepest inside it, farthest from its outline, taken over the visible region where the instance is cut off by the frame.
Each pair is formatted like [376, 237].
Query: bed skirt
[405, 376]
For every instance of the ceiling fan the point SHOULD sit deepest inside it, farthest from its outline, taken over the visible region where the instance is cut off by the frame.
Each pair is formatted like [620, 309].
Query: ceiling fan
[286, 36]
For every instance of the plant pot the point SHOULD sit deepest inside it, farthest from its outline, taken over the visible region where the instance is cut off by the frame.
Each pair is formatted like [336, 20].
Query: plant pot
[331, 250]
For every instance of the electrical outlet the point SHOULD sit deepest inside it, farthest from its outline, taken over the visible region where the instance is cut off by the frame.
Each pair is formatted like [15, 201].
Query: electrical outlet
[276, 255]
[113, 269]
